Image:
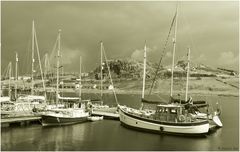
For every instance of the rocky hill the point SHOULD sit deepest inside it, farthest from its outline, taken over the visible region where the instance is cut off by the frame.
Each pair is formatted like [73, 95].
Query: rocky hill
[133, 69]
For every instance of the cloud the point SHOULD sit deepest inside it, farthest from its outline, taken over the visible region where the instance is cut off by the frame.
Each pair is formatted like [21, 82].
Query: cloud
[122, 26]
[228, 58]
[69, 55]
[201, 58]
[138, 54]
[169, 54]
[69, 58]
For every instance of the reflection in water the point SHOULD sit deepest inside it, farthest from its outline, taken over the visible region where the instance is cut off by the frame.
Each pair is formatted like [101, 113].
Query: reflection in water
[110, 135]
[54, 137]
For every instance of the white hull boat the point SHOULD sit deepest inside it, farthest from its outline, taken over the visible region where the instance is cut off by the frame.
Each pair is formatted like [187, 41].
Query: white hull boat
[146, 123]
[212, 118]
[95, 118]
[217, 121]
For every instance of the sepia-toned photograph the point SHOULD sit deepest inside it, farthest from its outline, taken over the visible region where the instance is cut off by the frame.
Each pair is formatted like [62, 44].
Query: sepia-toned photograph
[119, 75]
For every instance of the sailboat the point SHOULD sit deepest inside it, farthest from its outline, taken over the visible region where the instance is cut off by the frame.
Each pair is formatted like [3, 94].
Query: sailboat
[172, 118]
[98, 108]
[24, 104]
[37, 101]
[7, 106]
[75, 110]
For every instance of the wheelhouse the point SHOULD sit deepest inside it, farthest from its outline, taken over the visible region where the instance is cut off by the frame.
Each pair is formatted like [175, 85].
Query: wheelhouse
[170, 112]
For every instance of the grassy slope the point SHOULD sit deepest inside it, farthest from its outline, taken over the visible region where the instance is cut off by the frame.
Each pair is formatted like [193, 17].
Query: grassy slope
[204, 86]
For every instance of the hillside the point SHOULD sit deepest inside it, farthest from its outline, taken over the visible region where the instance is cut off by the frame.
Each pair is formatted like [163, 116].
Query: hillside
[134, 70]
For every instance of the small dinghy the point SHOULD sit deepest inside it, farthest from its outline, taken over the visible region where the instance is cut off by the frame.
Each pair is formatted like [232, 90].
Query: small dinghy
[217, 121]
[95, 118]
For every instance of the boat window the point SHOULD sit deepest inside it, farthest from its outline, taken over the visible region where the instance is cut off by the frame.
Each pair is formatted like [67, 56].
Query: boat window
[166, 110]
[160, 110]
[174, 111]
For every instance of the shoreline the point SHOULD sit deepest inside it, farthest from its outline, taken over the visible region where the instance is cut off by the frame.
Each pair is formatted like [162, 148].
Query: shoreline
[203, 87]
[139, 92]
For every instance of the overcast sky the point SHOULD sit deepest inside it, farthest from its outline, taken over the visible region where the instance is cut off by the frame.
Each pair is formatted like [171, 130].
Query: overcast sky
[209, 28]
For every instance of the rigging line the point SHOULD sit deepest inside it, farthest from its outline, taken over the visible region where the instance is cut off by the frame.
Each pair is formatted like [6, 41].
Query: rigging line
[39, 61]
[45, 65]
[4, 74]
[163, 53]
[26, 62]
[12, 74]
[53, 50]
[51, 60]
[115, 96]
[7, 71]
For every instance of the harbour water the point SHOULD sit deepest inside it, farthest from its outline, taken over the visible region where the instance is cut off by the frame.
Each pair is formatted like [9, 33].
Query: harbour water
[110, 135]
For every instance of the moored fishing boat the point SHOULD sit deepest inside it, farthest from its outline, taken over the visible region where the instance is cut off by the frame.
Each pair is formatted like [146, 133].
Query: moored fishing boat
[171, 118]
[168, 117]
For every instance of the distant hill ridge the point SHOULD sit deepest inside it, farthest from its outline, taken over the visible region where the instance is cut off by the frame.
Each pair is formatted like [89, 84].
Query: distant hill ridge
[128, 68]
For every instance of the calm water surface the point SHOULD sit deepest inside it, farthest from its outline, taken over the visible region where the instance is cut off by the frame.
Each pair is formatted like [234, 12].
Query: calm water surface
[110, 135]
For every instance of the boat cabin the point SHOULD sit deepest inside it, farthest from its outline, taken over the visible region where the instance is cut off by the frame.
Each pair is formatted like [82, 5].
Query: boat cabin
[33, 99]
[170, 112]
[75, 104]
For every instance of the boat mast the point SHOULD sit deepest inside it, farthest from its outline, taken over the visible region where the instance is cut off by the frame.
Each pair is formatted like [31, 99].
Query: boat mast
[80, 80]
[188, 68]
[144, 72]
[174, 49]
[16, 75]
[45, 66]
[144, 69]
[101, 68]
[9, 81]
[32, 57]
[109, 73]
[40, 64]
[58, 55]
[62, 80]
